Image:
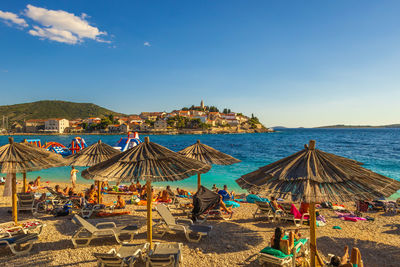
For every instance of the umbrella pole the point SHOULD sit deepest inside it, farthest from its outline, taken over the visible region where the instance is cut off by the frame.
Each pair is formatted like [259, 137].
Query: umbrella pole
[149, 215]
[99, 183]
[14, 198]
[198, 181]
[313, 240]
[24, 188]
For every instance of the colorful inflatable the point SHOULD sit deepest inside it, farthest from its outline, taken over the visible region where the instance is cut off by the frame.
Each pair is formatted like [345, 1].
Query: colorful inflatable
[77, 145]
[128, 142]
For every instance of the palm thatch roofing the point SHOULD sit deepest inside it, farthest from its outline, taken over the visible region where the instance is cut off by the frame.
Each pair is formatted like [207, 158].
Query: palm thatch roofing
[312, 175]
[24, 157]
[207, 154]
[147, 161]
[92, 155]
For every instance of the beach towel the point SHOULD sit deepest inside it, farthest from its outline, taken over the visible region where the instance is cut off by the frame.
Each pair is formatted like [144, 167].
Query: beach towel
[279, 254]
[233, 204]
[253, 198]
[111, 214]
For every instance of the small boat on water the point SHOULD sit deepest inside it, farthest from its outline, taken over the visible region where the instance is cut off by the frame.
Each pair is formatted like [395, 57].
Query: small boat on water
[128, 142]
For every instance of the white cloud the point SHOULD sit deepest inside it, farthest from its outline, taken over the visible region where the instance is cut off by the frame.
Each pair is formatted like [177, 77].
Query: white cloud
[9, 16]
[62, 26]
[147, 44]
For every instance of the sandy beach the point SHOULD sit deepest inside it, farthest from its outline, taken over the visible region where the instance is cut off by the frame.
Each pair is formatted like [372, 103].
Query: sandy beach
[232, 243]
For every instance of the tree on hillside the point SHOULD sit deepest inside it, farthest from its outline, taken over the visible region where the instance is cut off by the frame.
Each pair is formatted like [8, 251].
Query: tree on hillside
[213, 109]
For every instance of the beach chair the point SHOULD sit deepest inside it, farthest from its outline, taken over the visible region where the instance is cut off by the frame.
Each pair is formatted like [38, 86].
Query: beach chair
[88, 209]
[276, 257]
[19, 244]
[265, 209]
[10, 228]
[165, 254]
[88, 231]
[287, 216]
[127, 255]
[169, 224]
[26, 202]
[57, 199]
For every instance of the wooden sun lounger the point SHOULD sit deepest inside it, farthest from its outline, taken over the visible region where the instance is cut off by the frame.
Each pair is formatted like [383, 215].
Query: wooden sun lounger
[88, 231]
[169, 224]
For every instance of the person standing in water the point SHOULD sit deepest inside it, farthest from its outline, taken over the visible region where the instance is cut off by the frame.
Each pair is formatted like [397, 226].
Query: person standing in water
[73, 176]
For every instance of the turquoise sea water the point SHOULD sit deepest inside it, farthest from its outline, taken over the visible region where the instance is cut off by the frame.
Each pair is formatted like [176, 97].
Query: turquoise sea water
[378, 149]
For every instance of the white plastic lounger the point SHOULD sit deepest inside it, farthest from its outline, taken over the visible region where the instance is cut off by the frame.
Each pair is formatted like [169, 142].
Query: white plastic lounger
[19, 244]
[127, 255]
[265, 209]
[88, 231]
[26, 202]
[165, 254]
[169, 224]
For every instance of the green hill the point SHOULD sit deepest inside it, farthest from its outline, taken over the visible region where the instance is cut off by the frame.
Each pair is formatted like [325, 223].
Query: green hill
[53, 109]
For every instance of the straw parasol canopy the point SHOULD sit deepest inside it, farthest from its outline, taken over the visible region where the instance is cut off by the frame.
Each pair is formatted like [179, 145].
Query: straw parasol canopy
[207, 154]
[312, 175]
[92, 155]
[149, 162]
[21, 158]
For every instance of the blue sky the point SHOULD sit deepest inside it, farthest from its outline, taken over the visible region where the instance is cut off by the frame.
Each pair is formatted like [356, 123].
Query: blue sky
[291, 63]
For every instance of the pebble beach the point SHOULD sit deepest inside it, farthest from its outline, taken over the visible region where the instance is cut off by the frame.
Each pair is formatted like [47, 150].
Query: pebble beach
[234, 242]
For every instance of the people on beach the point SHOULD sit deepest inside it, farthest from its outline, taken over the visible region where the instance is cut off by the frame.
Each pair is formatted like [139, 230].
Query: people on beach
[225, 194]
[73, 176]
[132, 187]
[274, 204]
[91, 194]
[355, 259]
[214, 188]
[36, 182]
[31, 188]
[170, 192]
[120, 203]
[284, 245]
[64, 191]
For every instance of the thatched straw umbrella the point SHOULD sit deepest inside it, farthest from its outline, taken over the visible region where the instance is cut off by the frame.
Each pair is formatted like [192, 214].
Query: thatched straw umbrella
[93, 155]
[313, 176]
[149, 162]
[21, 158]
[207, 154]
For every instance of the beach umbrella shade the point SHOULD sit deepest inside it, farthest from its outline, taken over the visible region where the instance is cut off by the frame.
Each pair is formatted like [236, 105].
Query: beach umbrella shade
[149, 162]
[207, 154]
[22, 158]
[314, 176]
[93, 155]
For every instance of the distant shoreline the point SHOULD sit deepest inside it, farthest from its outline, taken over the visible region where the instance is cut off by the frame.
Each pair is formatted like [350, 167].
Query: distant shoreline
[178, 132]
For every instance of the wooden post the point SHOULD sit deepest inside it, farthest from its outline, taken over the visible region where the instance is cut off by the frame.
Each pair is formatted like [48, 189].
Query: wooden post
[14, 198]
[24, 187]
[149, 215]
[99, 183]
[198, 181]
[313, 240]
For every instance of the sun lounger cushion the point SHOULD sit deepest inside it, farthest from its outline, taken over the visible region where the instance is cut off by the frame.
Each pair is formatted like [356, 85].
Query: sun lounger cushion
[19, 239]
[200, 228]
[279, 254]
[230, 203]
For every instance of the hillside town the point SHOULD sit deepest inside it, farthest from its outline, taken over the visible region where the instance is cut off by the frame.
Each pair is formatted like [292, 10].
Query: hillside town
[195, 119]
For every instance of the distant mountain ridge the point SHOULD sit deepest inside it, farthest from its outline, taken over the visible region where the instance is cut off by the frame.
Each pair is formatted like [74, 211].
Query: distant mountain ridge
[46, 109]
[341, 126]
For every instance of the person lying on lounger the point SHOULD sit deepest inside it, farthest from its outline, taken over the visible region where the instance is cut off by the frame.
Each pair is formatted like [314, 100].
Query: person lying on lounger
[284, 245]
[64, 192]
[120, 203]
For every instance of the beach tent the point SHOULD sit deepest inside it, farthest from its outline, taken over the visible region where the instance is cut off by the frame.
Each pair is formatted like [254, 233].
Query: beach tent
[313, 176]
[207, 154]
[150, 162]
[21, 158]
[92, 155]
